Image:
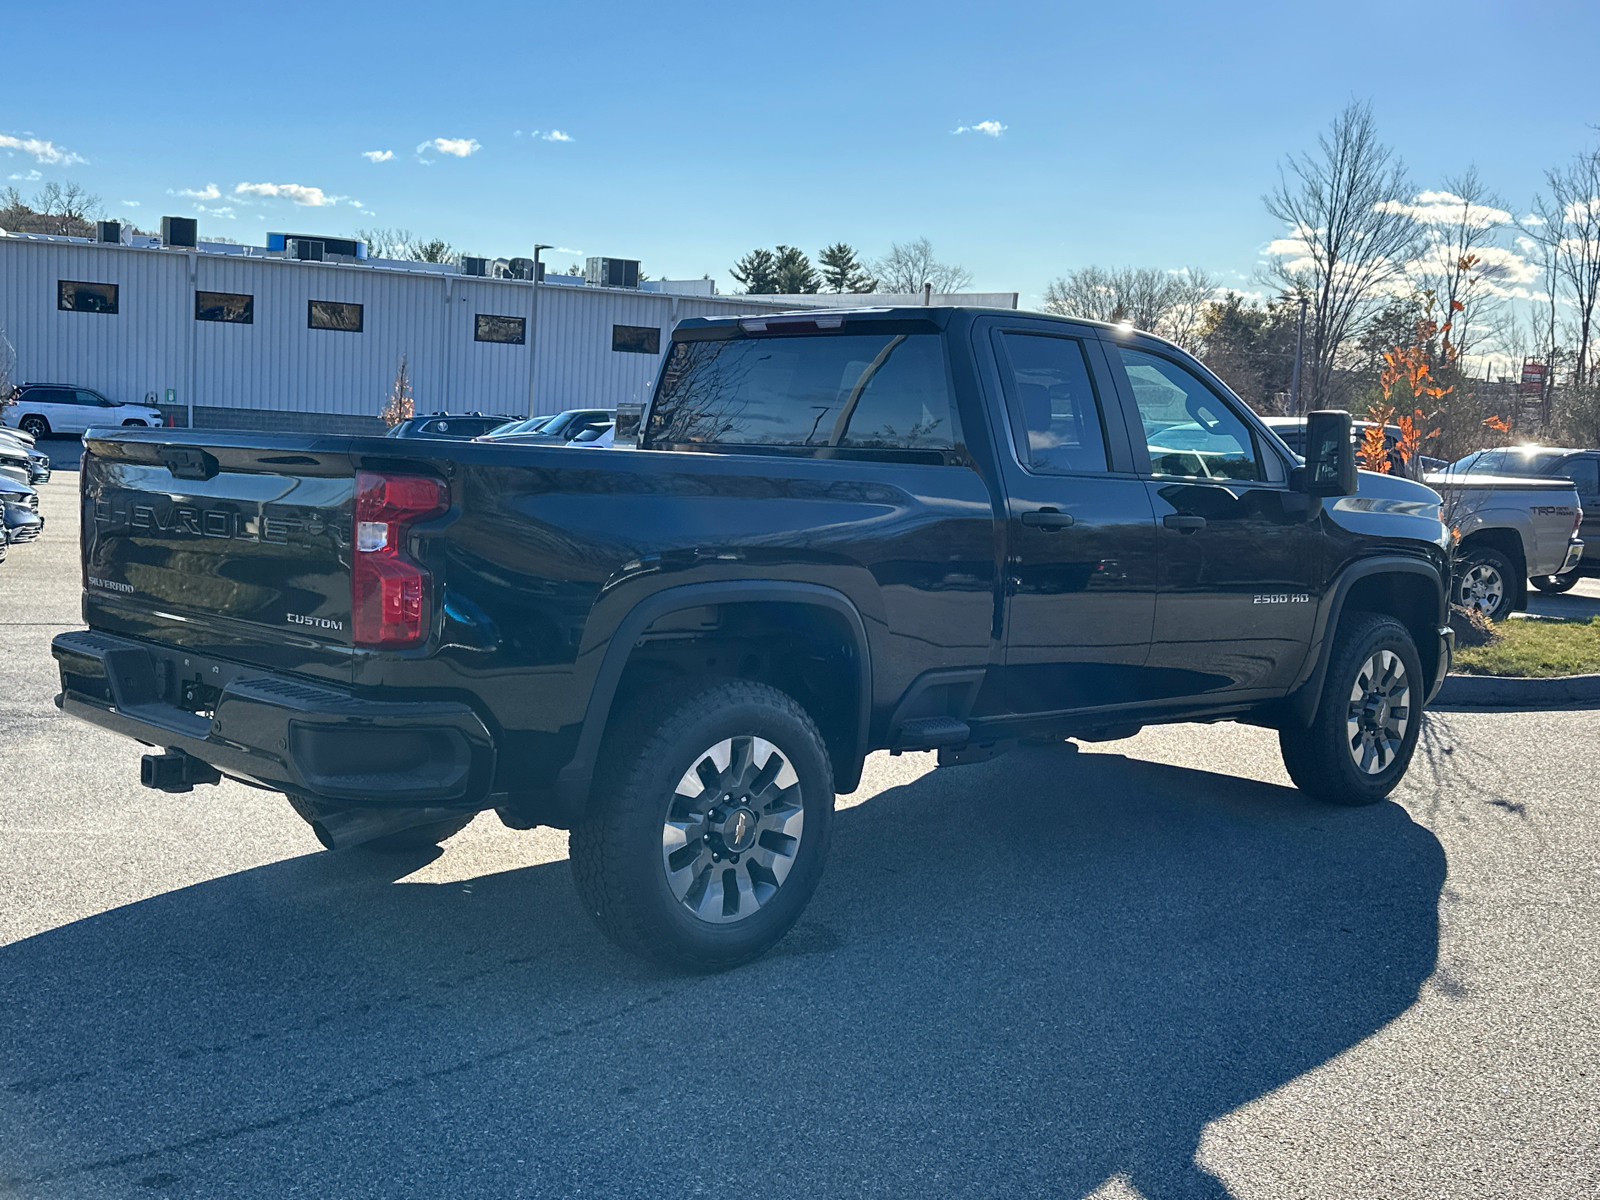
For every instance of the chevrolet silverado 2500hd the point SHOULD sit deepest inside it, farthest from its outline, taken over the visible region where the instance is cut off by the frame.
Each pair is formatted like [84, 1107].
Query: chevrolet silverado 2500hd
[907, 529]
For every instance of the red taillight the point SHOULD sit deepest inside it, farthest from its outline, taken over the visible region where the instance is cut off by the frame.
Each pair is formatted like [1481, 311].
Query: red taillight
[388, 591]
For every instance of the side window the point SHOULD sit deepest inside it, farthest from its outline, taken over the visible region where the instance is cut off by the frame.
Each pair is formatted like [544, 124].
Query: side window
[60, 396]
[1585, 475]
[1055, 415]
[867, 392]
[92, 399]
[1190, 431]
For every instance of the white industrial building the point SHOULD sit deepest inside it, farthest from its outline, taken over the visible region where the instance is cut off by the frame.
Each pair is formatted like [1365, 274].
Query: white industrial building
[247, 337]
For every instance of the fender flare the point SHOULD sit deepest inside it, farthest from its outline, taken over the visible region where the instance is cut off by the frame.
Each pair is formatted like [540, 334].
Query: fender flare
[573, 781]
[1307, 694]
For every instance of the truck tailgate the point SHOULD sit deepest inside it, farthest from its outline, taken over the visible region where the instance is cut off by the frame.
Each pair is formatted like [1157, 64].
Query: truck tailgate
[224, 542]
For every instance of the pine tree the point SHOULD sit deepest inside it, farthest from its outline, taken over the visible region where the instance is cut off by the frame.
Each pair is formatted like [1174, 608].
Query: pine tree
[842, 270]
[757, 271]
[793, 274]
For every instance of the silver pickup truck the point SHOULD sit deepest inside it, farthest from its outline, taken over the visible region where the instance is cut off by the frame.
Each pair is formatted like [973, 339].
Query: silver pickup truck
[1511, 528]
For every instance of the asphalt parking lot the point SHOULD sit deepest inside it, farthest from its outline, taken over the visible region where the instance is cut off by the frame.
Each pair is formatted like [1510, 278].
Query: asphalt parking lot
[1151, 969]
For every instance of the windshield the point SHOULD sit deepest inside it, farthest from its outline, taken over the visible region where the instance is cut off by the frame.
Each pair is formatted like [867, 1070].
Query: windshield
[1510, 460]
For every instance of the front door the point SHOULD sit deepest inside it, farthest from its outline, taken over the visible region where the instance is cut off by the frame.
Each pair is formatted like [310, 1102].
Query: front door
[1240, 552]
[1081, 538]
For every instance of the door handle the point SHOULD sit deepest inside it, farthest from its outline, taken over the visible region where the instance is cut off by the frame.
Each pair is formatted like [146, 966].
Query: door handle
[1048, 519]
[1185, 522]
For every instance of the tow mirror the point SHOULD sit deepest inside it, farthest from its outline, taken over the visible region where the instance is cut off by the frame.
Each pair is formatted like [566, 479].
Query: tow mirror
[1330, 468]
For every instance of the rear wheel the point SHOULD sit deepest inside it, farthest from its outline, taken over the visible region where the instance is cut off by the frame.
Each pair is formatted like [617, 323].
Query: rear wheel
[1484, 581]
[34, 426]
[709, 825]
[1370, 713]
[1555, 584]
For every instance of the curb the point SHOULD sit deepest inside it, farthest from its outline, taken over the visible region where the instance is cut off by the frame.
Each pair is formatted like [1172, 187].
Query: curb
[1510, 692]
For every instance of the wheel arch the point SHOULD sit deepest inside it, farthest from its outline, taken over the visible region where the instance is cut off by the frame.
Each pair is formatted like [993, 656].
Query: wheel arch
[844, 726]
[1509, 541]
[1409, 589]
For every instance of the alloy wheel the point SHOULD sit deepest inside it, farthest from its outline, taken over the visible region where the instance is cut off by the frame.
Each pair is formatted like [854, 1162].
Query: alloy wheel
[1379, 712]
[732, 830]
[1482, 588]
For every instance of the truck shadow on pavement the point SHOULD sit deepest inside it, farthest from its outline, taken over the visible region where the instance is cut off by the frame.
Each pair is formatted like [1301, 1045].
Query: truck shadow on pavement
[1018, 978]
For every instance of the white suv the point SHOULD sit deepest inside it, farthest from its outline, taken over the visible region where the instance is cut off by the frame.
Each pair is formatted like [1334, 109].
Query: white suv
[42, 408]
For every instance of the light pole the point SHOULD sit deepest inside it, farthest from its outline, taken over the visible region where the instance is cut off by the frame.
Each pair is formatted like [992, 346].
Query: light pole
[533, 330]
[1299, 339]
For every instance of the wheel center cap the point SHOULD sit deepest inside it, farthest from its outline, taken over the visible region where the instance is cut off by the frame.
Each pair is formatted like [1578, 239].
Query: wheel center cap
[739, 830]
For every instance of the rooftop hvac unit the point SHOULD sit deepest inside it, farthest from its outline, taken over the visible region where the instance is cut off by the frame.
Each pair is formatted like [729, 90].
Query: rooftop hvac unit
[304, 249]
[179, 232]
[520, 268]
[109, 232]
[474, 266]
[612, 272]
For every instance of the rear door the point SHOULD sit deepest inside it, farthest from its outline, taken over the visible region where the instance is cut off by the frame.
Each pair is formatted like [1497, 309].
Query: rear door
[59, 406]
[1240, 558]
[1081, 537]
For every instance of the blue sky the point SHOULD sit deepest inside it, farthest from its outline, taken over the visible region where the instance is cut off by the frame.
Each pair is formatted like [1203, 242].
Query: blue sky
[1139, 134]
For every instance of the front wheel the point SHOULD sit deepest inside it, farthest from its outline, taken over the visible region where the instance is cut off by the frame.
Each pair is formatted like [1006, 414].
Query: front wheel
[709, 825]
[1370, 713]
[1554, 585]
[1484, 582]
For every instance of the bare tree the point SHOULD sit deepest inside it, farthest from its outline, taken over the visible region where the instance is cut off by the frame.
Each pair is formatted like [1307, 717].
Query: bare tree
[387, 243]
[910, 266]
[8, 368]
[1347, 241]
[1460, 264]
[399, 405]
[1172, 304]
[1570, 217]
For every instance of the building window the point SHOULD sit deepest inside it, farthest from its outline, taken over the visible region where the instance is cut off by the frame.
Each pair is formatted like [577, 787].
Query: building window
[333, 314]
[225, 306]
[72, 296]
[636, 339]
[489, 328]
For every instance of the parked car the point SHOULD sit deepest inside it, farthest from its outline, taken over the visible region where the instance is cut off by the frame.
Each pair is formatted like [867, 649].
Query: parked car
[560, 427]
[459, 426]
[45, 408]
[899, 528]
[15, 462]
[19, 512]
[1580, 467]
[1512, 529]
[13, 441]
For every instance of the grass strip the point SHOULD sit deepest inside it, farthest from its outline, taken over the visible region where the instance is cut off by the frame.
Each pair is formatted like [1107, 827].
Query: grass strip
[1535, 649]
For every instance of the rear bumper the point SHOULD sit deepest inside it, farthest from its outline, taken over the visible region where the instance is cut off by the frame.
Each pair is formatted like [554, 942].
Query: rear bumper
[284, 733]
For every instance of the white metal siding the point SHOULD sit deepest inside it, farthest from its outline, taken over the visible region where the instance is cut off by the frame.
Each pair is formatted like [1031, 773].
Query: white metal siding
[279, 364]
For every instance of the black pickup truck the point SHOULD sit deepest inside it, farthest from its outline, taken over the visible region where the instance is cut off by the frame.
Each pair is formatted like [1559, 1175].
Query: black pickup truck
[902, 529]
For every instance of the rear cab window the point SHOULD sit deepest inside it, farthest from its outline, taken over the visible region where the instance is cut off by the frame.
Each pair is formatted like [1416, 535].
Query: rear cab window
[879, 394]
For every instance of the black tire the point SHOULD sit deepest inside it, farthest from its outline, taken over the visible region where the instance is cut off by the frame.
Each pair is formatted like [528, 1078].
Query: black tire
[1321, 759]
[1554, 585]
[619, 862]
[1485, 579]
[134, 421]
[34, 426]
[418, 837]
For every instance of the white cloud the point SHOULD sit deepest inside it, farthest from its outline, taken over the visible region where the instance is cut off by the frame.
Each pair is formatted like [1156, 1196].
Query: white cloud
[1446, 208]
[555, 135]
[377, 155]
[516, 133]
[988, 128]
[308, 197]
[566, 250]
[131, 203]
[209, 192]
[224, 211]
[29, 177]
[456, 147]
[42, 151]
